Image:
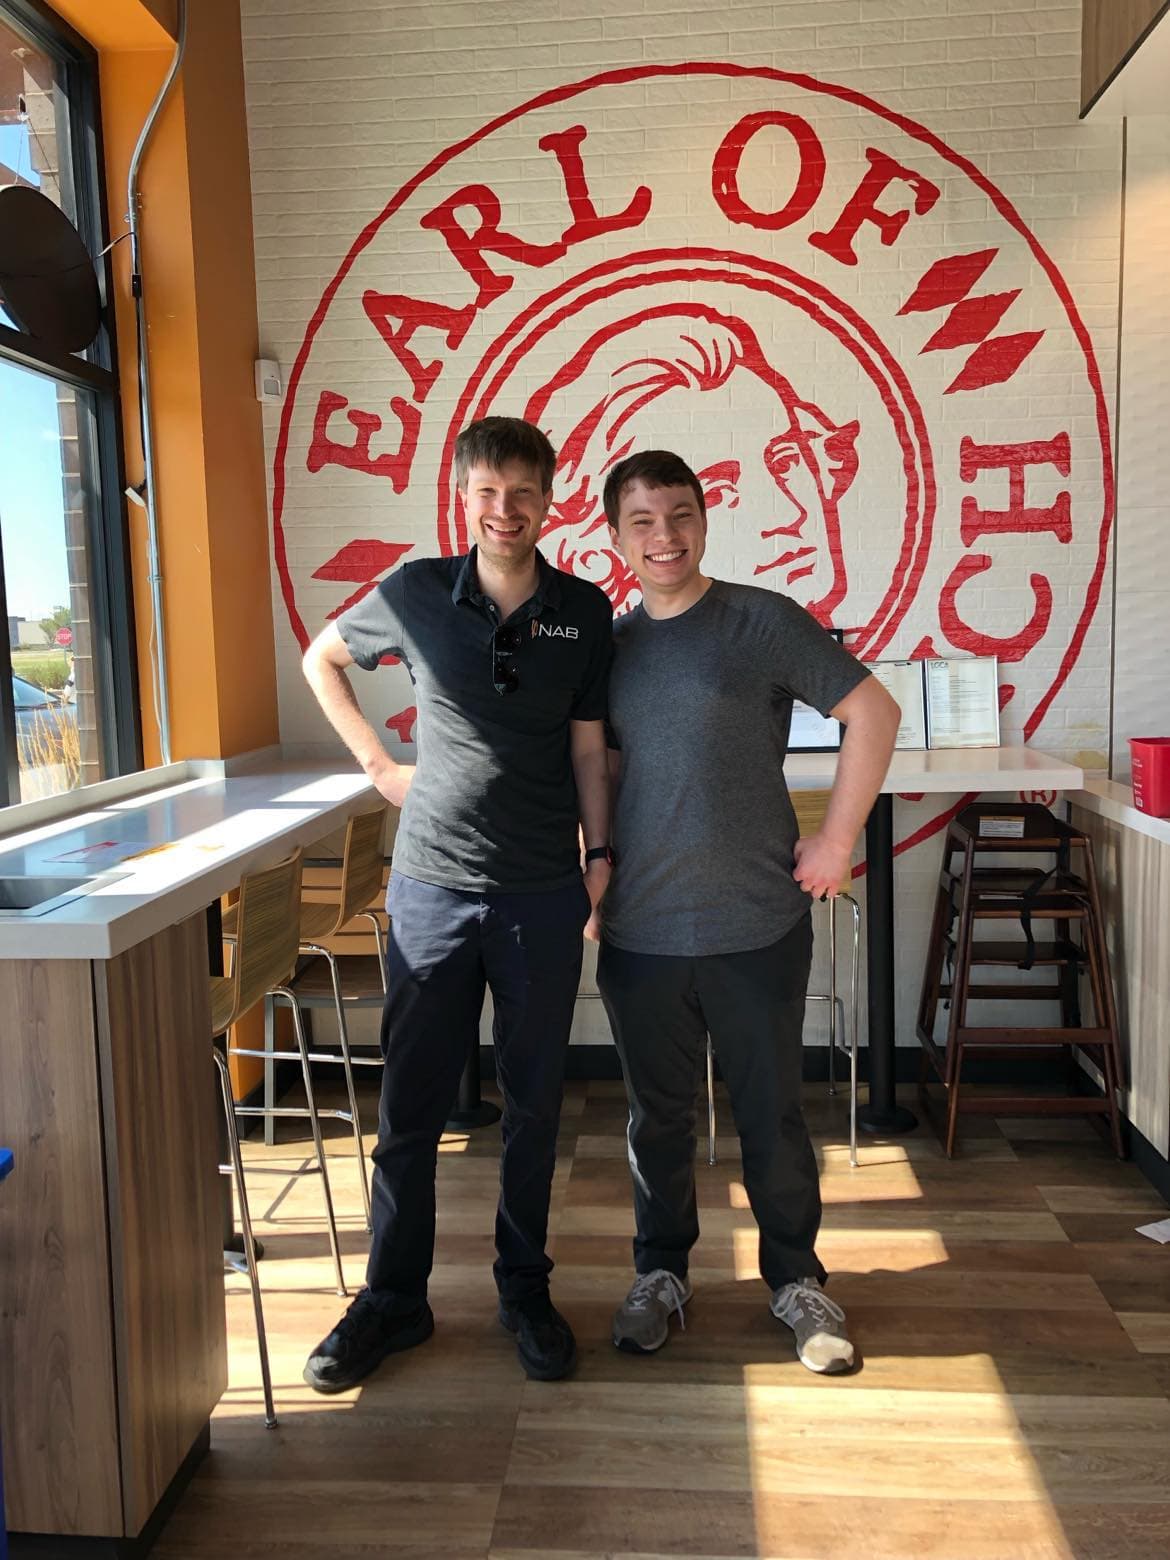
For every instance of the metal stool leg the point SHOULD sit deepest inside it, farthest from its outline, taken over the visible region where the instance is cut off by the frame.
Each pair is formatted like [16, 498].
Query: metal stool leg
[710, 1103]
[832, 997]
[315, 1123]
[269, 1071]
[237, 1171]
[854, 986]
[379, 943]
[347, 1068]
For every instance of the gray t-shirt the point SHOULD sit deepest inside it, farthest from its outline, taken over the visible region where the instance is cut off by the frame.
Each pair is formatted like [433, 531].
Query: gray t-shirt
[700, 706]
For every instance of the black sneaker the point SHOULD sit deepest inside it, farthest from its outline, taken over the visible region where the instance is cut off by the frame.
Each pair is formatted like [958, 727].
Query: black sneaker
[362, 1339]
[544, 1340]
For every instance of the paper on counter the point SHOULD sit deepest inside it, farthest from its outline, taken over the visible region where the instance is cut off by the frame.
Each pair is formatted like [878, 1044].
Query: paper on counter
[172, 847]
[101, 851]
[1159, 1231]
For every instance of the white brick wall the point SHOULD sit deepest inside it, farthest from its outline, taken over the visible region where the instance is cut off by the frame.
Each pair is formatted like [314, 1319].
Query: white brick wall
[1142, 638]
[348, 101]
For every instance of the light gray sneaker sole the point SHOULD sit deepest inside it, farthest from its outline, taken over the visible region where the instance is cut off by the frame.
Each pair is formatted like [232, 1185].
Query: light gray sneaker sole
[833, 1368]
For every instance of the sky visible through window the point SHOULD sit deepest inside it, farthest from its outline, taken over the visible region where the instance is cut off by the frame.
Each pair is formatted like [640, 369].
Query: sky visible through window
[32, 520]
[32, 509]
[15, 154]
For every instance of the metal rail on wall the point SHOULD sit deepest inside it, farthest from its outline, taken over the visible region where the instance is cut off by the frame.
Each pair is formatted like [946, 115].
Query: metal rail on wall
[145, 494]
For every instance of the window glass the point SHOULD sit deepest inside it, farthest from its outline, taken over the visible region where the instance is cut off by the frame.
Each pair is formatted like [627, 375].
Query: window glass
[44, 484]
[34, 124]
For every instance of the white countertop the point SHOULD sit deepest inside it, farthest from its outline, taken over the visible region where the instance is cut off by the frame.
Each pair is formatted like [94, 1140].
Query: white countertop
[950, 770]
[212, 828]
[1114, 800]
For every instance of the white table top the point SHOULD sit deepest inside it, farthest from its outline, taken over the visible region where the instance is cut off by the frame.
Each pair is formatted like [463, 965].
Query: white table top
[950, 770]
[216, 827]
[1113, 799]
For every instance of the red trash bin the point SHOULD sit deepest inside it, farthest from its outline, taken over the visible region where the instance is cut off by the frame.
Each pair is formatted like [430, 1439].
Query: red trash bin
[1151, 774]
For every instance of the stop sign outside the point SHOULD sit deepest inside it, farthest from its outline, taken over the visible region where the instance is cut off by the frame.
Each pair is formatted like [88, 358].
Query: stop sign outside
[63, 637]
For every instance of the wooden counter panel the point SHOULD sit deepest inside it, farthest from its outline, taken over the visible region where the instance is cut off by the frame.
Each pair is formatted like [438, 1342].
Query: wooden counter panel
[58, 1415]
[1134, 873]
[1109, 31]
[162, 1150]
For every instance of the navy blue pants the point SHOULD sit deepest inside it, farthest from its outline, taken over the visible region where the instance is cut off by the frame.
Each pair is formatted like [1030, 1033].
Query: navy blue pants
[445, 947]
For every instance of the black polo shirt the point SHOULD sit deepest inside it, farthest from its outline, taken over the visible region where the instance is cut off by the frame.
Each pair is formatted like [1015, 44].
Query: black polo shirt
[493, 804]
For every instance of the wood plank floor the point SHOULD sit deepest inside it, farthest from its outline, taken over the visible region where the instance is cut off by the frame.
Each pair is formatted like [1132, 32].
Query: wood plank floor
[1013, 1400]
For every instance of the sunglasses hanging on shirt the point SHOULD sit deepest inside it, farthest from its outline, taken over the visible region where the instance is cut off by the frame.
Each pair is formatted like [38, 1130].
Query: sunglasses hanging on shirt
[505, 642]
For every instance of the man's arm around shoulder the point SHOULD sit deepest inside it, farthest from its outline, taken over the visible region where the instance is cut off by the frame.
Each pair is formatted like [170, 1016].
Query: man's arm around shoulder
[325, 664]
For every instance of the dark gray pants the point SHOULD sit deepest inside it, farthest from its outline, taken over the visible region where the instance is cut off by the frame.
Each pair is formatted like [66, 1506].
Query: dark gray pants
[661, 1009]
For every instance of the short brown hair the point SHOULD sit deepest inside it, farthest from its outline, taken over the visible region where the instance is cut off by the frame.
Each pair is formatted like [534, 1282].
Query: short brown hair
[494, 441]
[654, 469]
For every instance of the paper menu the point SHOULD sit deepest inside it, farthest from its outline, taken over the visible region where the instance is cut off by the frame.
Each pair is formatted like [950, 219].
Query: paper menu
[904, 682]
[962, 702]
[100, 853]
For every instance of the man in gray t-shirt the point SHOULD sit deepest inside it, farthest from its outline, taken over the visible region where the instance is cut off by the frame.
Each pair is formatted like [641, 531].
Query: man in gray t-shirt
[706, 925]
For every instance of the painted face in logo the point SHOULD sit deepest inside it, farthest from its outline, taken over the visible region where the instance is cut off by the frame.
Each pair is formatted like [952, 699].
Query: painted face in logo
[784, 469]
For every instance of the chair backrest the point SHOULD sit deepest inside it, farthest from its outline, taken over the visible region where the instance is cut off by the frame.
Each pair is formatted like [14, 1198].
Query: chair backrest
[810, 808]
[267, 931]
[361, 863]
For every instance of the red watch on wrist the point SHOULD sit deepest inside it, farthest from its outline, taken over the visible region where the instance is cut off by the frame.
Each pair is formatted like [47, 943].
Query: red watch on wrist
[599, 853]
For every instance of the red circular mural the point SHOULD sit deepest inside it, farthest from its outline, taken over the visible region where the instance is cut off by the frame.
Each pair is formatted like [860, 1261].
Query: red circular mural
[899, 425]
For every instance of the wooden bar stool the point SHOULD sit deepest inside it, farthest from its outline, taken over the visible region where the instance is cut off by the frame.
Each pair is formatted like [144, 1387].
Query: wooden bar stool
[810, 808]
[247, 1262]
[1051, 893]
[264, 956]
[361, 881]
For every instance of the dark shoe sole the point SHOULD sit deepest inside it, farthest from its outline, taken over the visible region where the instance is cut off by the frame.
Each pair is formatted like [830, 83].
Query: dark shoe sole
[534, 1369]
[409, 1338]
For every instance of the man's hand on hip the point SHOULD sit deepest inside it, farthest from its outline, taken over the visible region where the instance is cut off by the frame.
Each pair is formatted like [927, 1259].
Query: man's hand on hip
[392, 780]
[822, 865]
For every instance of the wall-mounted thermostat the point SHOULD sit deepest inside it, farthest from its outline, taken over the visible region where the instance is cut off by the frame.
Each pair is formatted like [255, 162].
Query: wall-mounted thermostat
[269, 384]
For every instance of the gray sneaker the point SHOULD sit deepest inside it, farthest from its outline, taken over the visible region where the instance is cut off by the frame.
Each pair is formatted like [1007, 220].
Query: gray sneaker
[642, 1321]
[819, 1324]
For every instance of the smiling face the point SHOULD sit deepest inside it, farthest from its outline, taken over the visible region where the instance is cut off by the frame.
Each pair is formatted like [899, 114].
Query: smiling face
[662, 535]
[505, 511]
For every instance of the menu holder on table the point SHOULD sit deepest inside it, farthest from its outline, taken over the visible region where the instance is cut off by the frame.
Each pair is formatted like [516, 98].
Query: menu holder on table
[812, 732]
[905, 681]
[809, 730]
[962, 702]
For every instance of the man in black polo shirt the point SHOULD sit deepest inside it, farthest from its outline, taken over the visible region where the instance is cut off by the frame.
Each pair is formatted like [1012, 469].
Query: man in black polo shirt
[510, 662]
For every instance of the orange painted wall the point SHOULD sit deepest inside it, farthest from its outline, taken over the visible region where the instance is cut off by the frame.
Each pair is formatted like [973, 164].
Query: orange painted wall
[200, 290]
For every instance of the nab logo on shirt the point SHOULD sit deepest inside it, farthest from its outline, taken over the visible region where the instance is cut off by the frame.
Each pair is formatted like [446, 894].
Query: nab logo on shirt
[556, 631]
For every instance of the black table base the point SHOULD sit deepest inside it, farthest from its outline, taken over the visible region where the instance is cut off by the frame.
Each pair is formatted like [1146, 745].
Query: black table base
[471, 1109]
[882, 1115]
